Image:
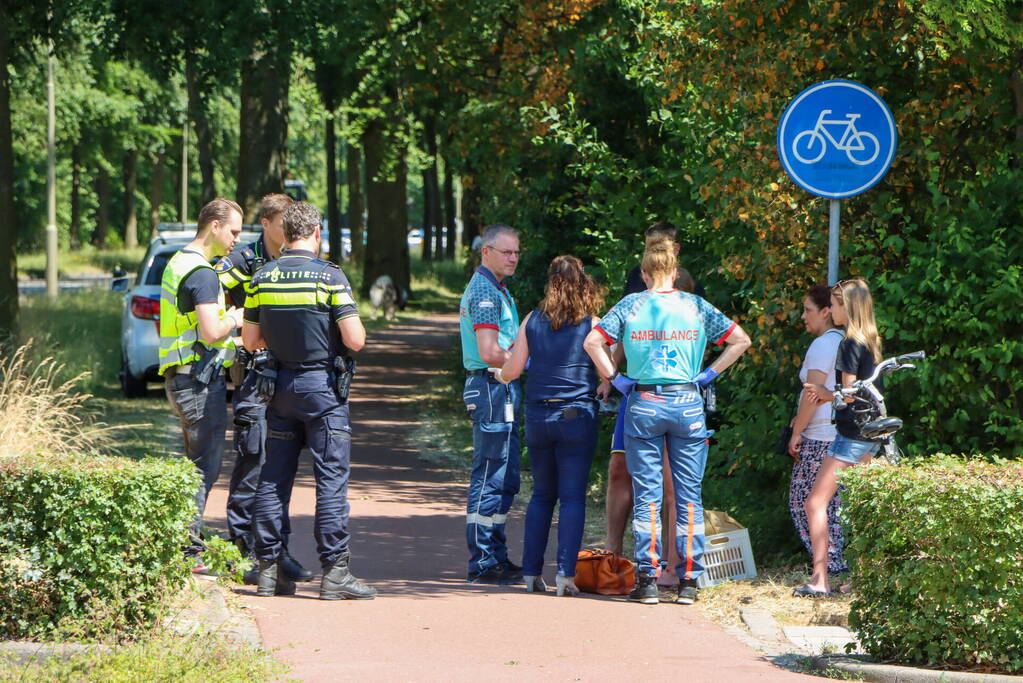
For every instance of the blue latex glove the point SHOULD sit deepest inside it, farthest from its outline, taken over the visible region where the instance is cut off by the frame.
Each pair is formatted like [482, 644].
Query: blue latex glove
[623, 384]
[706, 377]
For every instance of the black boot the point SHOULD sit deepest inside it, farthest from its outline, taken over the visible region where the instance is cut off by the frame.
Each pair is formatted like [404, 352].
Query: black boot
[251, 576]
[688, 592]
[293, 570]
[271, 580]
[340, 584]
[645, 591]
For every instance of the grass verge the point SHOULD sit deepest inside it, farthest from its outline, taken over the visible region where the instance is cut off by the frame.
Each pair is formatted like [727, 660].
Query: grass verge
[196, 658]
[772, 591]
[87, 260]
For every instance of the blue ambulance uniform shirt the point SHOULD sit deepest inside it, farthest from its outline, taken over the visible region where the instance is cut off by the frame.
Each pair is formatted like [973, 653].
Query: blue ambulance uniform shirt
[486, 303]
[664, 334]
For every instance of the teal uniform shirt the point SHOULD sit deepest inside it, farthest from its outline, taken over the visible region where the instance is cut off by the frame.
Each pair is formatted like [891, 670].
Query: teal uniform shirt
[486, 303]
[664, 334]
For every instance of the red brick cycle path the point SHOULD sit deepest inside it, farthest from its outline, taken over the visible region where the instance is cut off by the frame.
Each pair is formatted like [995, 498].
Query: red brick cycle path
[408, 540]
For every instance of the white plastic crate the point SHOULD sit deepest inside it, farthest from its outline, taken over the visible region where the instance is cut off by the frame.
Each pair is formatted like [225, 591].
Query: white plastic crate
[727, 557]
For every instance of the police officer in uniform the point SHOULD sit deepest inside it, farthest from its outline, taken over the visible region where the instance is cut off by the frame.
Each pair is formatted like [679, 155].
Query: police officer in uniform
[235, 271]
[195, 344]
[302, 311]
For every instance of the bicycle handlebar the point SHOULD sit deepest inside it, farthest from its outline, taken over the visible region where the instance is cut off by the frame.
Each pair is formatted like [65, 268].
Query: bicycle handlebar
[883, 368]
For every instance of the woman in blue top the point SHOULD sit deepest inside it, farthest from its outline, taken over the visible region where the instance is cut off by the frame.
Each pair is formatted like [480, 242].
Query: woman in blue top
[561, 415]
[664, 333]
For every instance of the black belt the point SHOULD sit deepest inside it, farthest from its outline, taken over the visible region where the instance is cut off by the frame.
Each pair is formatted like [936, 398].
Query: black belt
[483, 371]
[665, 388]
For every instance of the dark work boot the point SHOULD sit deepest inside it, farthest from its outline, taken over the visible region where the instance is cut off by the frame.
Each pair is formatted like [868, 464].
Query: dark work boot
[688, 592]
[645, 591]
[340, 584]
[251, 576]
[271, 580]
[293, 570]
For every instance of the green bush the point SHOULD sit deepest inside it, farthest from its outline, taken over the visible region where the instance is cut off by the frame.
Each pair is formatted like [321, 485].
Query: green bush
[938, 547]
[89, 546]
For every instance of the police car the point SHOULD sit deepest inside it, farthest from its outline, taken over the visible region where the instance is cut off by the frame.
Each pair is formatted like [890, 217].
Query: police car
[140, 318]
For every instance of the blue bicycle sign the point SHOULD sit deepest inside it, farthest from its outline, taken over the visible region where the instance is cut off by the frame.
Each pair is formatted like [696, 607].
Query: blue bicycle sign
[836, 139]
[814, 142]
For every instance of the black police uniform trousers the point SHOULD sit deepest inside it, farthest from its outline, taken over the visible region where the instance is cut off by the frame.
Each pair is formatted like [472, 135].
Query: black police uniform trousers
[305, 411]
[249, 454]
[202, 409]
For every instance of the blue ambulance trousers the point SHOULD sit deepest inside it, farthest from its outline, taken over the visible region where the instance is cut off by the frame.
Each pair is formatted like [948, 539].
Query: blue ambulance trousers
[494, 480]
[305, 412]
[653, 421]
[249, 455]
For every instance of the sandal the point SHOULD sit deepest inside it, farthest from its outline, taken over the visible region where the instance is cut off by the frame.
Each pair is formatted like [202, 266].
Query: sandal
[806, 591]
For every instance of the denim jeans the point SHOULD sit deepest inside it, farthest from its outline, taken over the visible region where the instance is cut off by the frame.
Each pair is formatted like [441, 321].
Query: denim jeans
[560, 452]
[305, 411]
[202, 410]
[653, 421]
[494, 479]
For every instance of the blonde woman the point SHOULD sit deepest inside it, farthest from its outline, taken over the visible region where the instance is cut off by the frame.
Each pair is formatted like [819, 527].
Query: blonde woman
[858, 355]
[664, 333]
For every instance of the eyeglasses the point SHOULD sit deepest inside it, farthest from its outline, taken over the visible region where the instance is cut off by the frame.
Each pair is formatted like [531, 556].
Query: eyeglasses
[838, 285]
[507, 253]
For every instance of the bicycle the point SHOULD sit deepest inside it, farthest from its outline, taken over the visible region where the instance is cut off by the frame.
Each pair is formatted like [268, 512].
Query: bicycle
[852, 140]
[868, 400]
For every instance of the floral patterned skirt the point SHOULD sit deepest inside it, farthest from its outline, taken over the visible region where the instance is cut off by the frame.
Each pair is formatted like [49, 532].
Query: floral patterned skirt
[804, 473]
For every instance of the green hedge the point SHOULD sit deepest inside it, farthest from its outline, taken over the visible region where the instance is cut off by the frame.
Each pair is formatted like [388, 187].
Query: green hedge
[939, 561]
[90, 546]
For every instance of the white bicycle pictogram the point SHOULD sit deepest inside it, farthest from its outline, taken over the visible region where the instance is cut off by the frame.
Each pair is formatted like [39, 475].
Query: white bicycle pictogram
[852, 140]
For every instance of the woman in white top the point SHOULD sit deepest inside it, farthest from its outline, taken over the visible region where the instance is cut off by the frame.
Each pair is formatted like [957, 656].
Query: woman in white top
[812, 430]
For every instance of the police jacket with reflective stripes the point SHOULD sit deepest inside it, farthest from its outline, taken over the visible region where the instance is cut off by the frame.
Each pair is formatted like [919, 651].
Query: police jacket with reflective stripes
[297, 302]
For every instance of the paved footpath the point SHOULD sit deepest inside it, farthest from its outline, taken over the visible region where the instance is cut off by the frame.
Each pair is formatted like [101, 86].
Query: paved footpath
[428, 624]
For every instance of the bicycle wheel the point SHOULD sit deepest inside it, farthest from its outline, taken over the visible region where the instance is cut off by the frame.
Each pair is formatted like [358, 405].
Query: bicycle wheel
[807, 150]
[867, 146]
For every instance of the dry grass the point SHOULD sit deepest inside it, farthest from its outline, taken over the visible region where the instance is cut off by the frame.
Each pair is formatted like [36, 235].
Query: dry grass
[41, 414]
[772, 591]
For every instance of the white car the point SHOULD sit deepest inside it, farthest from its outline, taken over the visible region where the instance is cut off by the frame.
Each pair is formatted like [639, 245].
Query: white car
[140, 319]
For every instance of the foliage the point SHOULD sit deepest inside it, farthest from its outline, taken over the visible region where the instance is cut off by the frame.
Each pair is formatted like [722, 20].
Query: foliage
[938, 554]
[194, 658]
[668, 111]
[90, 545]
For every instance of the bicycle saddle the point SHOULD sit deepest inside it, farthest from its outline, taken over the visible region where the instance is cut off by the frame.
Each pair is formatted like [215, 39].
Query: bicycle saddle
[881, 428]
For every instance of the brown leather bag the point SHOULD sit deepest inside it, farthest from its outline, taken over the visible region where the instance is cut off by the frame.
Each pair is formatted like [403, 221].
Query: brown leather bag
[604, 572]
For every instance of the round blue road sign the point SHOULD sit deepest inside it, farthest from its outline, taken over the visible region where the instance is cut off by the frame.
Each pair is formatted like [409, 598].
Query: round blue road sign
[837, 139]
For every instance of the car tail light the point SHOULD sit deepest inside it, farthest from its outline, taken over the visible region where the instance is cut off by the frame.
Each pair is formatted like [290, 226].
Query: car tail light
[145, 308]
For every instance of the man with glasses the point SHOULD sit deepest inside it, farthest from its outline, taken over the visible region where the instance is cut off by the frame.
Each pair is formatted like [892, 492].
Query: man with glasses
[489, 323]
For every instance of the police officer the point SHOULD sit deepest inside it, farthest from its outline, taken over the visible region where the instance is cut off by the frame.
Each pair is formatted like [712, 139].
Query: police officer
[489, 323]
[235, 271]
[301, 309]
[195, 344]
[664, 333]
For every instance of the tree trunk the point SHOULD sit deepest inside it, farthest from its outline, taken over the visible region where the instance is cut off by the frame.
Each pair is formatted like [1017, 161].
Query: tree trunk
[471, 219]
[198, 86]
[131, 228]
[333, 210]
[356, 203]
[433, 189]
[102, 186]
[156, 189]
[449, 210]
[75, 229]
[8, 221]
[263, 125]
[426, 247]
[387, 247]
